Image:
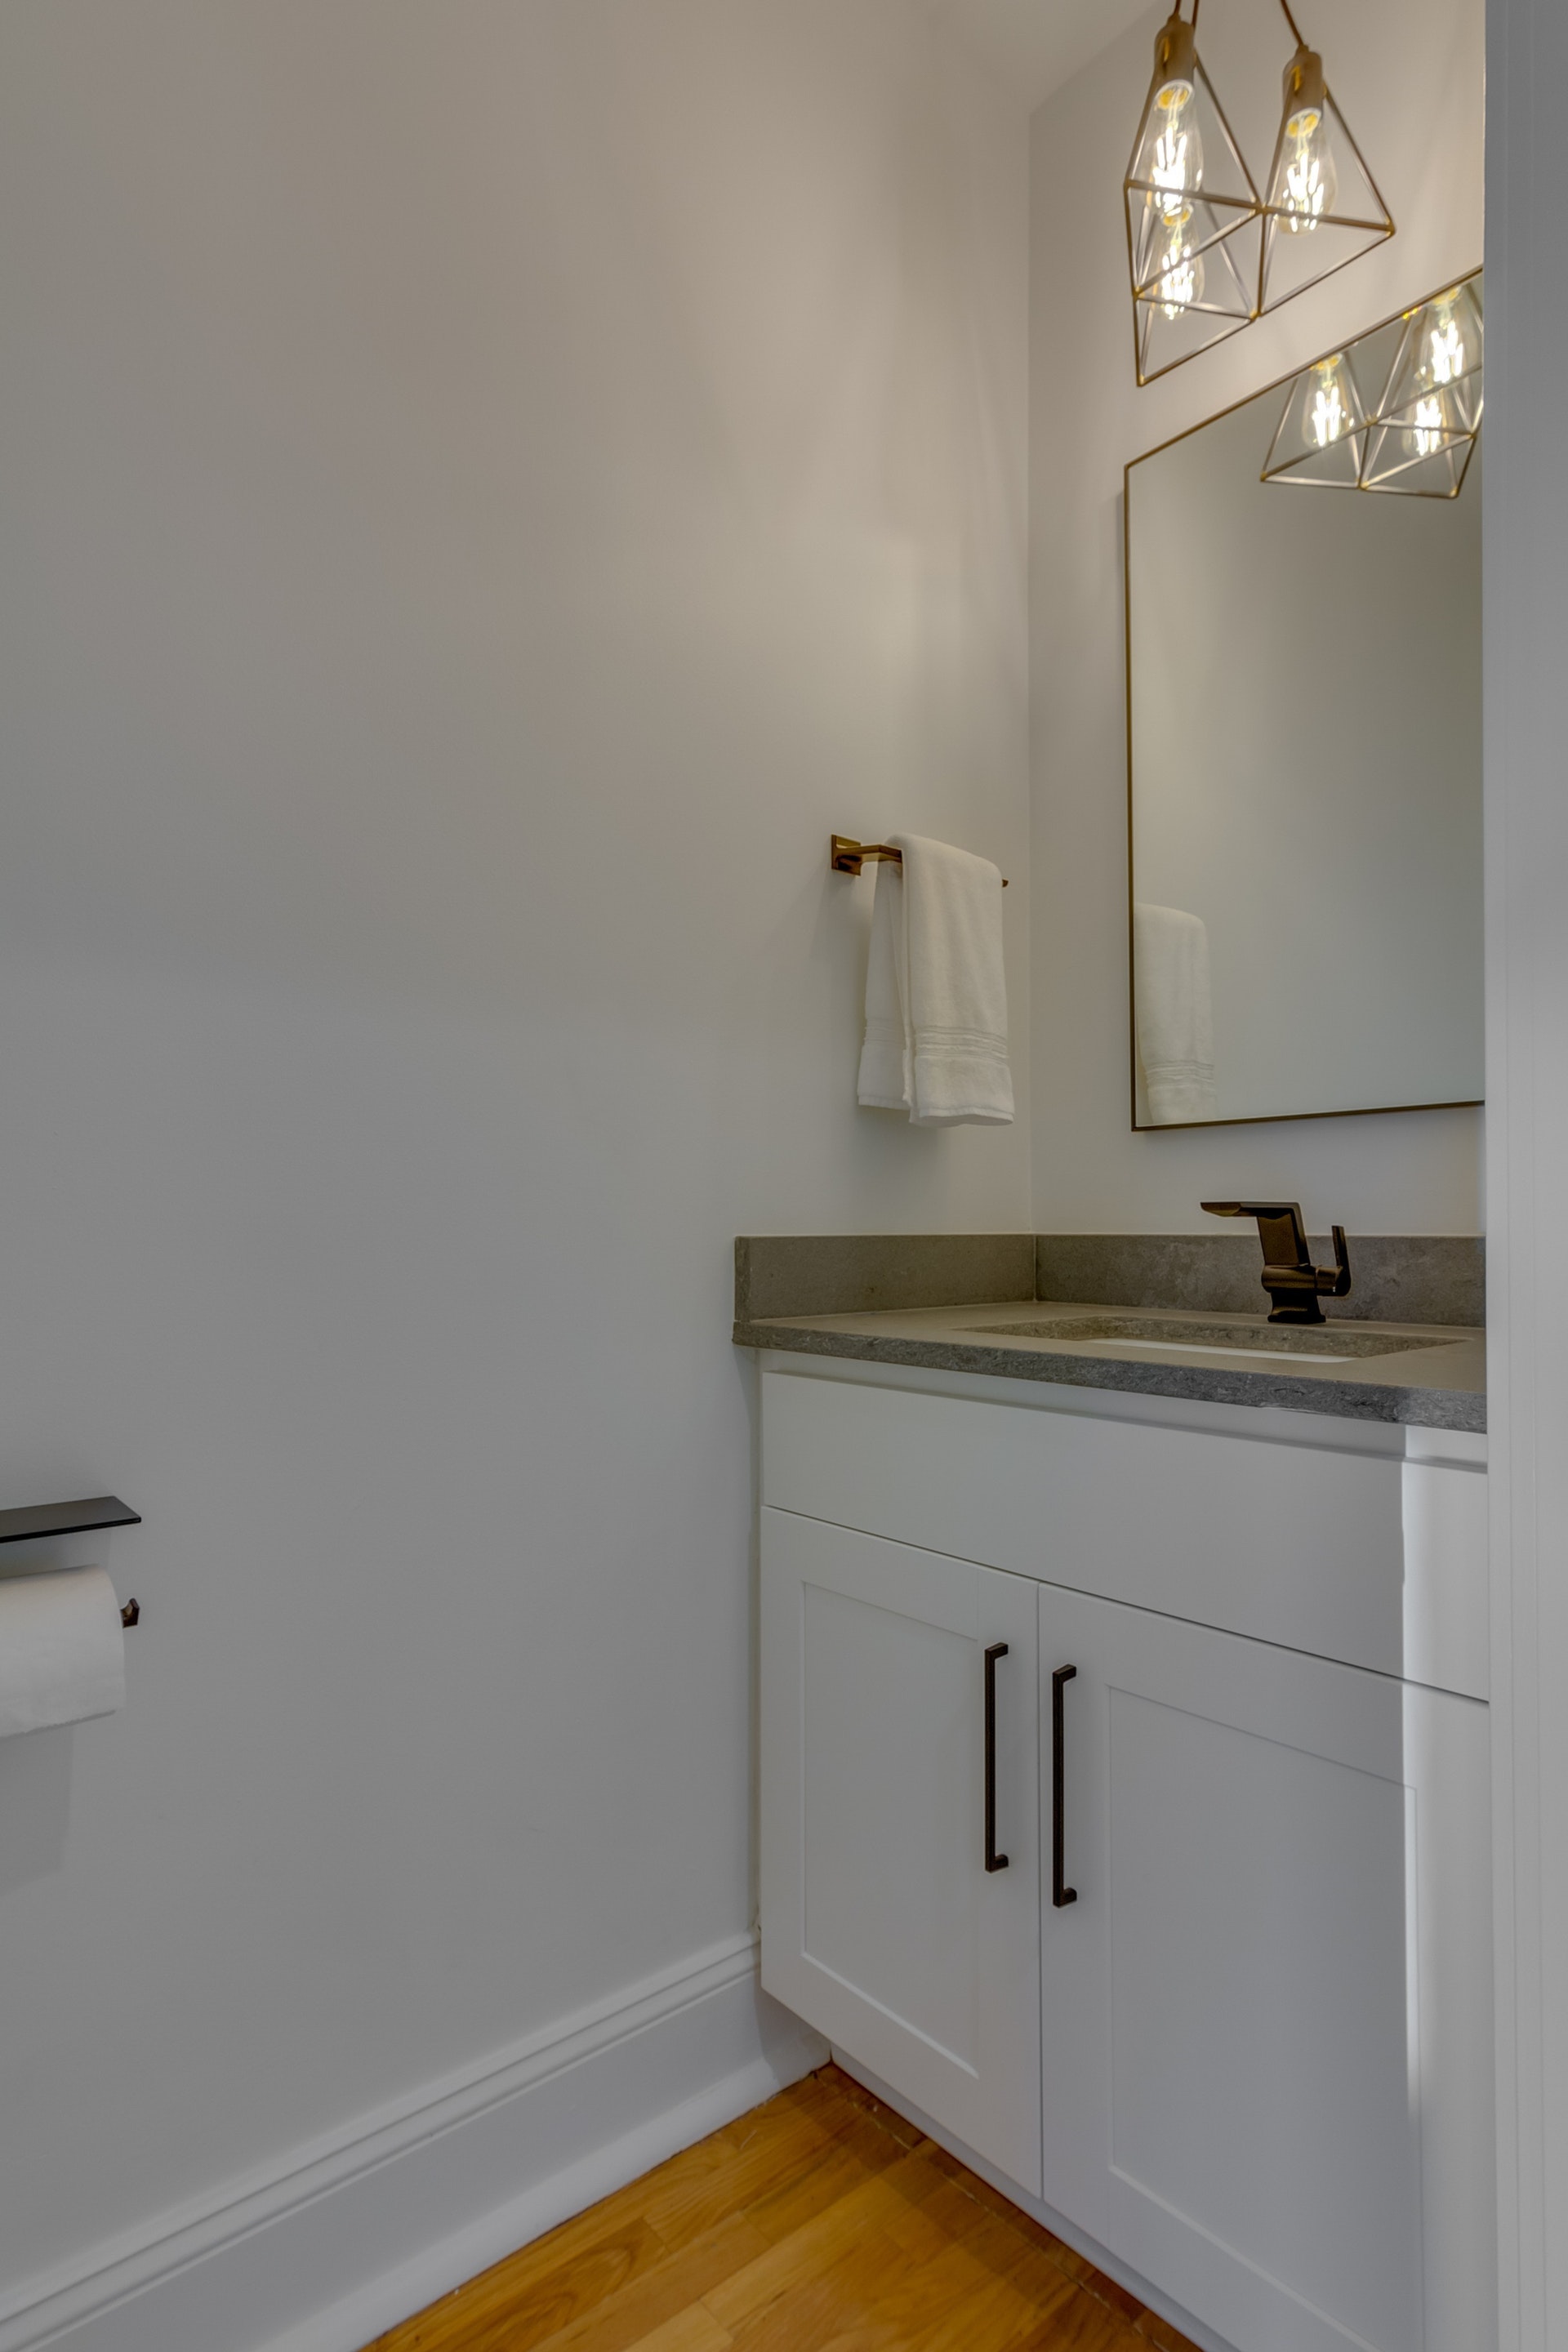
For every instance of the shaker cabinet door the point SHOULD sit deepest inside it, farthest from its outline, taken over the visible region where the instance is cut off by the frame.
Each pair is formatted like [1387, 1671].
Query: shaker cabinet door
[893, 1747]
[1267, 2044]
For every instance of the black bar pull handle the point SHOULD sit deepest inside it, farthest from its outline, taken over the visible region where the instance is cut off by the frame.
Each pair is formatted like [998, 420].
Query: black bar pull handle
[994, 1861]
[1062, 1895]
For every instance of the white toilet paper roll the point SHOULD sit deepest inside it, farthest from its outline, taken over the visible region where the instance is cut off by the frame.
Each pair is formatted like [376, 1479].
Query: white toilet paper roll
[62, 1649]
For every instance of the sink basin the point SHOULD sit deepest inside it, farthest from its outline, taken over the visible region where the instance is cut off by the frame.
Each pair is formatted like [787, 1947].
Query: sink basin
[1324, 1343]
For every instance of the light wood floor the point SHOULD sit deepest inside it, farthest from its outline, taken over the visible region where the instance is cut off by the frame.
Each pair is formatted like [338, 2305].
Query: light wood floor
[819, 2220]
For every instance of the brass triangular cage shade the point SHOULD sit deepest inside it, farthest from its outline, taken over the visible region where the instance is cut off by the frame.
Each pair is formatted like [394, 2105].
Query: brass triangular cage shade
[1418, 433]
[1424, 433]
[1192, 214]
[1321, 438]
[1323, 208]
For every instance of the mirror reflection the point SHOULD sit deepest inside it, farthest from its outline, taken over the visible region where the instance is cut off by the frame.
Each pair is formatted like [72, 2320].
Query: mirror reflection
[1304, 710]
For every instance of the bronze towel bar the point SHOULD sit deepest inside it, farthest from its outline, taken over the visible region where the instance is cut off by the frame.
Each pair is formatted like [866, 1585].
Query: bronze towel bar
[846, 856]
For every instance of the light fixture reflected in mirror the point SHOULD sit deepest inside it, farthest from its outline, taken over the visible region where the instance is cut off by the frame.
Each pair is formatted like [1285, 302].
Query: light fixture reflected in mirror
[1425, 432]
[1320, 438]
[1417, 435]
[1193, 213]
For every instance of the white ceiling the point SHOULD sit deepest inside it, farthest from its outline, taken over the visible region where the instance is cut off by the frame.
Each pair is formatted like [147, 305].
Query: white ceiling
[1034, 45]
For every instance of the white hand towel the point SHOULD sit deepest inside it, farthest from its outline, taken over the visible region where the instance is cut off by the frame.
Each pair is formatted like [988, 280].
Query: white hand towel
[936, 997]
[1175, 1015]
[885, 1062]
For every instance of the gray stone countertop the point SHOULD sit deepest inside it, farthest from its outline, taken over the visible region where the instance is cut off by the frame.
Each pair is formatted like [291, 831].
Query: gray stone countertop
[1438, 1382]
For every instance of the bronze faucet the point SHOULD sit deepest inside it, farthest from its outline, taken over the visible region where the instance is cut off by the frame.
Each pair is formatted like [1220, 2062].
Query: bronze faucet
[1293, 1282]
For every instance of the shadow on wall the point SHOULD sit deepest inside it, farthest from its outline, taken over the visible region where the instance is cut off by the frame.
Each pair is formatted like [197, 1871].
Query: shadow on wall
[35, 1804]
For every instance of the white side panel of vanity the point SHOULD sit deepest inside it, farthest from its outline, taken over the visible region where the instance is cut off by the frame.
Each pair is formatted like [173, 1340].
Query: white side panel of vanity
[1362, 1542]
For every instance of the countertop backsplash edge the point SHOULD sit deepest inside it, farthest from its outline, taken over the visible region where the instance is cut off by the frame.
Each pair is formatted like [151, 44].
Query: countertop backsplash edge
[1398, 1277]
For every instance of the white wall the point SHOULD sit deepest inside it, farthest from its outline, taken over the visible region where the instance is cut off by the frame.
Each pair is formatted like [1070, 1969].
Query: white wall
[1409, 78]
[486, 490]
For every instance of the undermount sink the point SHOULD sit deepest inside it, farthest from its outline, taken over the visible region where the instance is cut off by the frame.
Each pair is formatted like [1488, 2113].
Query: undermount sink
[1328, 1343]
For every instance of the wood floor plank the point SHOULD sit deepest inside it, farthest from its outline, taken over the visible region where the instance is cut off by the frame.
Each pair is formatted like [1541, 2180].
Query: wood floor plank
[993, 2199]
[902, 2275]
[847, 2087]
[993, 2245]
[622, 2320]
[953, 2303]
[820, 2223]
[1082, 2324]
[866, 2219]
[1161, 2333]
[525, 2300]
[692, 2330]
[810, 2313]
[1065, 2312]
[699, 2195]
[992, 2318]
[1107, 2290]
[858, 2154]
[781, 2121]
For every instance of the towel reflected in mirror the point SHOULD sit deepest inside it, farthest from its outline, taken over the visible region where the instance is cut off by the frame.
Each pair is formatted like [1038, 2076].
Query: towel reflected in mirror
[1174, 1012]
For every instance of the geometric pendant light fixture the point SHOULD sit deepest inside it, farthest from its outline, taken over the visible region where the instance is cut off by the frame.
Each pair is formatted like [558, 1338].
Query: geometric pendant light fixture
[1193, 213]
[1207, 254]
[1424, 433]
[1321, 439]
[1323, 208]
[1416, 431]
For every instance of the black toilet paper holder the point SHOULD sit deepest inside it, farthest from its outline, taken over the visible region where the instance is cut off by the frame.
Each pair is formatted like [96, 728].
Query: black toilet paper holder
[73, 1520]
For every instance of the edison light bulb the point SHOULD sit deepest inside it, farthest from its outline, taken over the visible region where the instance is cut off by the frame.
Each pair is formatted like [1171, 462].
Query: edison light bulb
[1446, 344]
[1168, 166]
[1176, 164]
[1426, 435]
[1305, 180]
[1179, 284]
[1440, 364]
[1328, 416]
[1173, 160]
[1310, 179]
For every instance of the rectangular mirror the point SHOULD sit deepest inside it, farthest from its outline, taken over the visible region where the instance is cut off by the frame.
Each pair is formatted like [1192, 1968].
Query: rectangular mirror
[1304, 740]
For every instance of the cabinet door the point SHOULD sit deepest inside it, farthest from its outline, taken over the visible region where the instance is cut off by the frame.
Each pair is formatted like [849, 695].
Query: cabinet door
[1267, 2017]
[881, 1925]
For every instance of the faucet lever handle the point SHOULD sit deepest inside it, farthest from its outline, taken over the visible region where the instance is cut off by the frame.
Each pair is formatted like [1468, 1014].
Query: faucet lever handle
[1336, 1284]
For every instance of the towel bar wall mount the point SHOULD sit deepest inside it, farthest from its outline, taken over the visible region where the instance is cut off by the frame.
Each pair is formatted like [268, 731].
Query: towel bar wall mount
[846, 856]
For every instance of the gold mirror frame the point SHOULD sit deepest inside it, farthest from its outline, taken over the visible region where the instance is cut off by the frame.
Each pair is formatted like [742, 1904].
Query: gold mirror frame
[1280, 385]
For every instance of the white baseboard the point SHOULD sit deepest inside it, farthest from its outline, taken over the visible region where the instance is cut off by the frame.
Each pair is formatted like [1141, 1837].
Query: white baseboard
[340, 2240]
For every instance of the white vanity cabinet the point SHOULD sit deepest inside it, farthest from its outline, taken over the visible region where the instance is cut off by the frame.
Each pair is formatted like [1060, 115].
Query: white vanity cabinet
[1266, 2041]
[885, 1927]
[1250, 2063]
